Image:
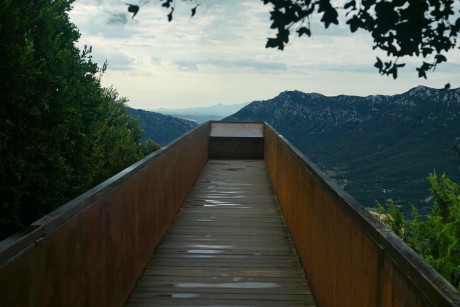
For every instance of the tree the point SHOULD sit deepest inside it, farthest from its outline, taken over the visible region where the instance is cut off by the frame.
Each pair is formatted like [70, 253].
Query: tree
[436, 238]
[401, 28]
[58, 123]
[119, 138]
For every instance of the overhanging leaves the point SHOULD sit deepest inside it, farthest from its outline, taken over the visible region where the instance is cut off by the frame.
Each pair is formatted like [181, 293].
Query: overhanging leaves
[401, 28]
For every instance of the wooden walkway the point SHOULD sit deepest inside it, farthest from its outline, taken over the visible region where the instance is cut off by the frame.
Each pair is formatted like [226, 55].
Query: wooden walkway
[228, 246]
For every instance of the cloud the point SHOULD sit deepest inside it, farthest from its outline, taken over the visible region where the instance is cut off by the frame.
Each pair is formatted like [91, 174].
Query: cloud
[119, 18]
[116, 59]
[120, 62]
[233, 64]
[222, 50]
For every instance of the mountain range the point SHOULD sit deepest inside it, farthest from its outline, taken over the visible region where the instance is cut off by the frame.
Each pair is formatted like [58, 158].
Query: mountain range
[375, 147]
[161, 128]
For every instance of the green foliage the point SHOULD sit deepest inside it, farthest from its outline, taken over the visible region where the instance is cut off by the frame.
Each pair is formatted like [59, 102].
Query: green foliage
[58, 123]
[392, 217]
[437, 237]
[148, 147]
[119, 137]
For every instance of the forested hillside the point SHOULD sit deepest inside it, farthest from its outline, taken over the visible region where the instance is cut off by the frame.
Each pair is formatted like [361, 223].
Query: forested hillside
[376, 147]
[61, 132]
[161, 128]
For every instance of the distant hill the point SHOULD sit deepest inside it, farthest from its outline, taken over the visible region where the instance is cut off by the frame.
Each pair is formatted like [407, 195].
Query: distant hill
[161, 128]
[202, 114]
[375, 147]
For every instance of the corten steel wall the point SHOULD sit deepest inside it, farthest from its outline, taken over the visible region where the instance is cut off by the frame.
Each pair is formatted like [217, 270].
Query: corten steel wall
[350, 258]
[91, 251]
[236, 140]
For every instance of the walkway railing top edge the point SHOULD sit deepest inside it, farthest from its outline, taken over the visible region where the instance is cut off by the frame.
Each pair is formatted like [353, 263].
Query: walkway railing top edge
[15, 244]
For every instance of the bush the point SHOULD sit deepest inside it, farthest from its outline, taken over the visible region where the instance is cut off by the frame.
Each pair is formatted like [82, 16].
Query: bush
[436, 237]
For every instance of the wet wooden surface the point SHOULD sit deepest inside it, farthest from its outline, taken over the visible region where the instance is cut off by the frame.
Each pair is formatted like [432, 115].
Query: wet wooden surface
[228, 246]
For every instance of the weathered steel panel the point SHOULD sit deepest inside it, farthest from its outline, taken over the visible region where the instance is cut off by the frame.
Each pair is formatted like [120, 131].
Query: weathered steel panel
[229, 140]
[351, 259]
[91, 251]
[236, 148]
[237, 129]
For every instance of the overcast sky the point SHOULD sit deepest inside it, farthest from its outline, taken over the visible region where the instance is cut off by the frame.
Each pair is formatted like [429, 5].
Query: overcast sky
[219, 56]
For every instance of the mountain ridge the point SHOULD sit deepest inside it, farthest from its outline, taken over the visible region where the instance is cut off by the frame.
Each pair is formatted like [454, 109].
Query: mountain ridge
[376, 146]
[217, 109]
[161, 128]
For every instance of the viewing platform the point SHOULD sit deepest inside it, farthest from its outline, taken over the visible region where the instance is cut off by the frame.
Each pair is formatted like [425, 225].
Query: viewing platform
[230, 214]
[228, 245]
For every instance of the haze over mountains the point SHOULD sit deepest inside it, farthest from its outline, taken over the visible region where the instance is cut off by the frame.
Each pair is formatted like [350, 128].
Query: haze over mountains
[202, 114]
[375, 147]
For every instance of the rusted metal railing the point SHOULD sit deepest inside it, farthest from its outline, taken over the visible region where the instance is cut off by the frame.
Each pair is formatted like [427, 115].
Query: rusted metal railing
[350, 258]
[91, 251]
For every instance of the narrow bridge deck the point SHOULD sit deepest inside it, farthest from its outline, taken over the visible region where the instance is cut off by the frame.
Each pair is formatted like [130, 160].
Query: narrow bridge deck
[227, 246]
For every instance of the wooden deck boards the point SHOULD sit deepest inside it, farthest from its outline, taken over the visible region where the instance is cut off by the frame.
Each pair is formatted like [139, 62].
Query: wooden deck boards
[228, 246]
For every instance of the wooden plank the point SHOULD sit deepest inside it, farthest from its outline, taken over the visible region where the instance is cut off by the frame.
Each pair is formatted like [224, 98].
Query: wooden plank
[248, 272]
[155, 288]
[223, 296]
[227, 246]
[173, 301]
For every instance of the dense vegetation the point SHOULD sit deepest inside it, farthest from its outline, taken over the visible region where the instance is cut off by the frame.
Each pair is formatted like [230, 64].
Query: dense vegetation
[61, 131]
[435, 237]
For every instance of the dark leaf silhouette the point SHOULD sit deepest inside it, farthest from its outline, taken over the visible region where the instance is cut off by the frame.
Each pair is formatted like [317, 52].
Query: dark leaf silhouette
[194, 10]
[394, 72]
[167, 4]
[133, 9]
[400, 28]
[379, 65]
[170, 15]
[273, 43]
[354, 23]
[440, 58]
[304, 30]
[330, 14]
[421, 73]
[351, 4]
